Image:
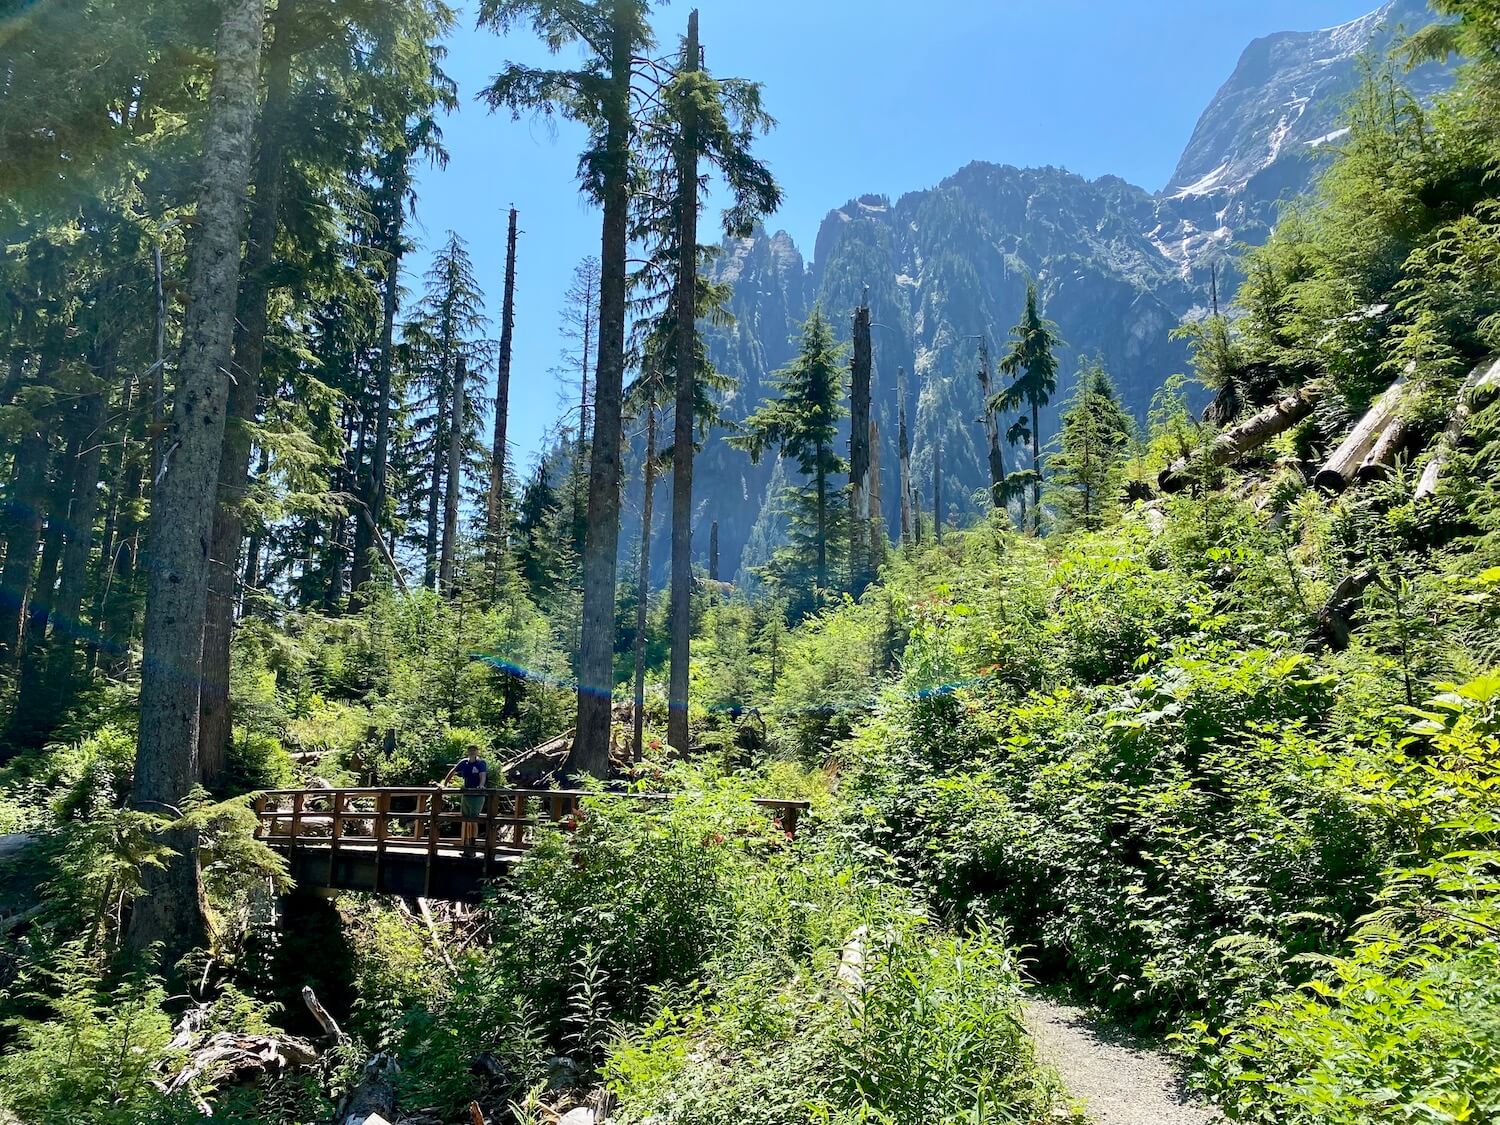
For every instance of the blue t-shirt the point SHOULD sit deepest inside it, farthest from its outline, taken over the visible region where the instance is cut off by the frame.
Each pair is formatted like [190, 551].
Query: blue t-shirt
[471, 772]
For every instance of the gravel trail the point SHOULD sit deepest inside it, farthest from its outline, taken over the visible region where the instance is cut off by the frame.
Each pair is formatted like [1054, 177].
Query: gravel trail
[1119, 1081]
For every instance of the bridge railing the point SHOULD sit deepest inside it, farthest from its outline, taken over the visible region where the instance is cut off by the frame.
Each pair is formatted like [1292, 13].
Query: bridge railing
[418, 821]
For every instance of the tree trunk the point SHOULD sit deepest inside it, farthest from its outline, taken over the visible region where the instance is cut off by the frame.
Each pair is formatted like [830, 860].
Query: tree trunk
[937, 491]
[596, 656]
[30, 715]
[374, 492]
[62, 652]
[495, 522]
[1380, 462]
[860, 364]
[903, 449]
[878, 541]
[996, 456]
[685, 298]
[1235, 442]
[643, 587]
[169, 914]
[713, 551]
[215, 729]
[822, 554]
[114, 522]
[252, 576]
[159, 368]
[26, 499]
[447, 570]
[1036, 467]
[435, 486]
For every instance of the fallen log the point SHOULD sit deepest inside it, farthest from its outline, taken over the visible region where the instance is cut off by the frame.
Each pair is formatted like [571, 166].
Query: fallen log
[373, 1098]
[1235, 442]
[1336, 618]
[1380, 463]
[533, 766]
[1338, 471]
[1482, 382]
[1487, 385]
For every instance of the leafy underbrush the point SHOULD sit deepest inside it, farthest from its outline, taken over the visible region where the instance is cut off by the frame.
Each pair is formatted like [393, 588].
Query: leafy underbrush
[1116, 750]
[689, 957]
[1404, 1024]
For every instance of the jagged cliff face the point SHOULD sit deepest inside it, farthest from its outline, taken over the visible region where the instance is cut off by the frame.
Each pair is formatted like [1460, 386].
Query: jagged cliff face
[1117, 266]
[1270, 128]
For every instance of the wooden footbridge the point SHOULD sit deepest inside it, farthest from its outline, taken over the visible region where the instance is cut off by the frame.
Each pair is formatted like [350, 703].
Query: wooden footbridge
[410, 841]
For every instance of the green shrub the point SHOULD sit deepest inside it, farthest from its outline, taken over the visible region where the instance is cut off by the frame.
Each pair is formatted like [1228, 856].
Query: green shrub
[1405, 1025]
[927, 1030]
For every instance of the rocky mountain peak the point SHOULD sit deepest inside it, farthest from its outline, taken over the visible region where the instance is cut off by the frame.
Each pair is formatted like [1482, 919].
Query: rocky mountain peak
[1286, 96]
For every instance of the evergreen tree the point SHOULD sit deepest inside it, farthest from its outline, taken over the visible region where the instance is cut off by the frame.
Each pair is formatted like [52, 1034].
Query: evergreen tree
[802, 423]
[1032, 366]
[170, 912]
[1086, 469]
[614, 35]
[445, 336]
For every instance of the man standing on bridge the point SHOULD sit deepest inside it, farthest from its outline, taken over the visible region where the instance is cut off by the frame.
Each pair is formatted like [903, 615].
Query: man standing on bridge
[475, 773]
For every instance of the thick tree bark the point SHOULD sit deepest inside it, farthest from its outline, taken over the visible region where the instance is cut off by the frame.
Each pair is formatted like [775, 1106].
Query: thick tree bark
[713, 551]
[1339, 470]
[374, 491]
[448, 567]
[1250, 434]
[244, 397]
[169, 914]
[685, 298]
[495, 518]
[860, 364]
[643, 586]
[596, 656]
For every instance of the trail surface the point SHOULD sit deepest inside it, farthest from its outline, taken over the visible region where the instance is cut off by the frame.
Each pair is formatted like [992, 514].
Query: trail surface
[1119, 1081]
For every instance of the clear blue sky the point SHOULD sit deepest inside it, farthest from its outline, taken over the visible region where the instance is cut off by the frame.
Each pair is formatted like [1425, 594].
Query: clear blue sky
[882, 96]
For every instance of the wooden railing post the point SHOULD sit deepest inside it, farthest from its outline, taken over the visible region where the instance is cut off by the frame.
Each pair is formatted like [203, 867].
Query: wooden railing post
[335, 833]
[518, 836]
[382, 814]
[434, 826]
[297, 799]
[260, 816]
[491, 807]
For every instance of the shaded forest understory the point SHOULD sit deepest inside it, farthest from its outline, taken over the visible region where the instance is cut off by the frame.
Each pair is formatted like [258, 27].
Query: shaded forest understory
[1196, 720]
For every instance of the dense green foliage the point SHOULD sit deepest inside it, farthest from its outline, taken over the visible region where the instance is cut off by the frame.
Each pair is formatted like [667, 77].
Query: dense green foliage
[657, 951]
[1222, 764]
